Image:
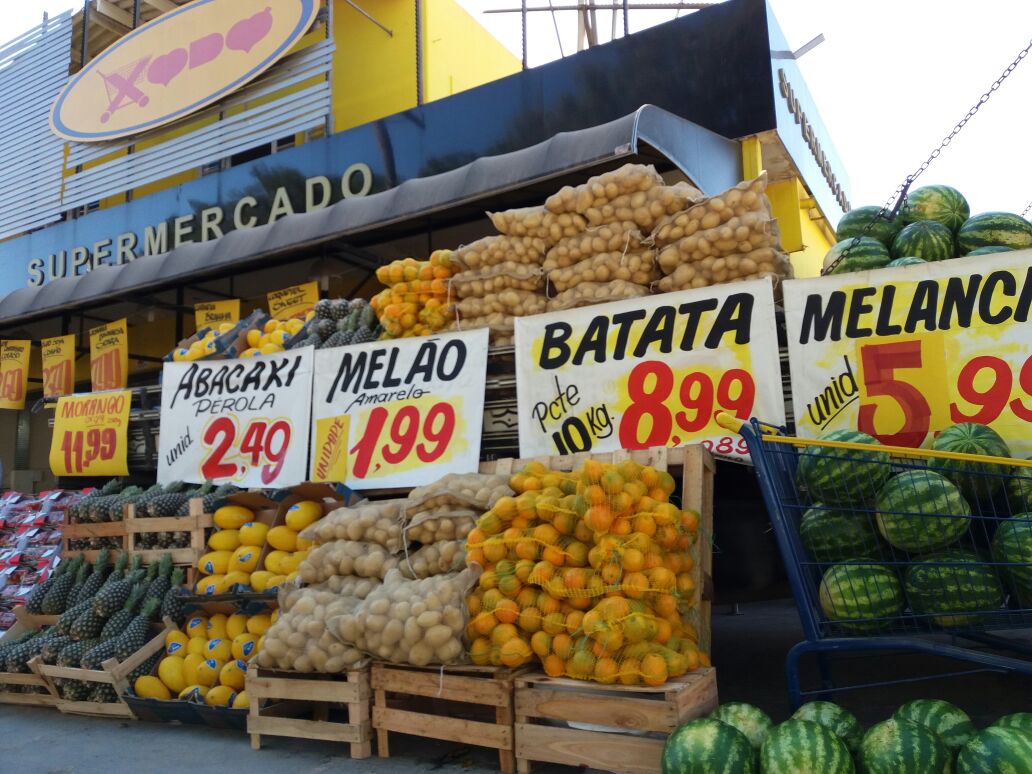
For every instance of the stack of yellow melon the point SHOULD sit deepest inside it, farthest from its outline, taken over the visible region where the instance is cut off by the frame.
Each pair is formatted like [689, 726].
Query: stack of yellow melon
[236, 548]
[207, 660]
[272, 337]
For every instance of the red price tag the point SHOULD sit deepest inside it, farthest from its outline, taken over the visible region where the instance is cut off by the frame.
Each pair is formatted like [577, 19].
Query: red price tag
[82, 447]
[106, 371]
[230, 452]
[406, 436]
[12, 385]
[57, 379]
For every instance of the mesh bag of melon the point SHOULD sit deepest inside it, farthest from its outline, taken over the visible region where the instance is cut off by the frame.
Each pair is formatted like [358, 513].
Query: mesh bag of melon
[602, 189]
[438, 266]
[637, 267]
[416, 622]
[588, 572]
[618, 237]
[299, 638]
[347, 557]
[514, 303]
[646, 208]
[510, 275]
[588, 293]
[539, 223]
[435, 559]
[499, 251]
[379, 522]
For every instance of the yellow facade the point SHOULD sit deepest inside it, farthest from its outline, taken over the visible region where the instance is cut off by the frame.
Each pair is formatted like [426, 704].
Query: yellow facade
[458, 54]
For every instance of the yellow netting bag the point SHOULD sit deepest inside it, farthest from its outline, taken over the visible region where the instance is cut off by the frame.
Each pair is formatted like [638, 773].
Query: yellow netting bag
[590, 572]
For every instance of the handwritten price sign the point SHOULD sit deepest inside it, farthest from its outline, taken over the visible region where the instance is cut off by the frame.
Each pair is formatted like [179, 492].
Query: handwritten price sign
[244, 421]
[109, 356]
[90, 435]
[14, 372]
[648, 372]
[903, 353]
[399, 412]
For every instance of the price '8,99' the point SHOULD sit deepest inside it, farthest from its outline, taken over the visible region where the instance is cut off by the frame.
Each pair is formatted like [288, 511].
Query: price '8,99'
[411, 431]
[883, 367]
[651, 384]
[263, 444]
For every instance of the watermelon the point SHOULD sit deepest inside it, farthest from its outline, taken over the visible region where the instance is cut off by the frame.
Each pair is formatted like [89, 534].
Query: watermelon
[1019, 490]
[920, 510]
[866, 254]
[907, 260]
[750, 720]
[939, 203]
[831, 535]
[840, 722]
[925, 239]
[853, 223]
[991, 229]
[1012, 543]
[897, 745]
[948, 721]
[706, 746]
[861, 597]
[804, 747]
[990, 250]
[1019, 720]
[842, 476]
[997, 750]
[975, 479]
[949, 585]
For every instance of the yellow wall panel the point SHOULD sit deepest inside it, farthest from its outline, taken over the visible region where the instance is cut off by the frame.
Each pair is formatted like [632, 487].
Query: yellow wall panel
[459, 53]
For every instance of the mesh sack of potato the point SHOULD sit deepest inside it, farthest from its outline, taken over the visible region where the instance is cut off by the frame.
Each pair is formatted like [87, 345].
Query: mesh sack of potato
[637, 267]
[602, 189]
[645, 208]
[739, 235]
[516, 303]
[442, 523]
[437, 559]
[747, 197]
[351, 585]
[477, 283]
[376, 522]
[762, 262]
[476, 491]
[346, 557]
[500, 326]
[499, 250]
[588, 293]
[299, 639]
[539, 223]
[416, 622]
[620, 237]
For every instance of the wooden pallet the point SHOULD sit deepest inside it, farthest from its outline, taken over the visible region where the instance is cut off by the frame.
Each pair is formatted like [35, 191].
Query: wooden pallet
[112, 672]
[627, 710]
[196, 523]
[697, 469]
[485, 693]
[27, 622]
[312, 694]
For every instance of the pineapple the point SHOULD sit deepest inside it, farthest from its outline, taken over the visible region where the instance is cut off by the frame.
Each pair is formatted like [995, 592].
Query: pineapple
[96, 580]
[167, 504]
[88, 625]
[53, 647]
[114, 486]
[80, 581]
[172, 604]
[162, 582]
[103, 694]
[56, 599]
[146, 668]
[110, 598]
[64, 623]
[34, 604]
[116, 624]
[135, 635]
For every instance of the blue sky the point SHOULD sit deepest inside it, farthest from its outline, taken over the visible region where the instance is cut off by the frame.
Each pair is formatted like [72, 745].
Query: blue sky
[890, 81]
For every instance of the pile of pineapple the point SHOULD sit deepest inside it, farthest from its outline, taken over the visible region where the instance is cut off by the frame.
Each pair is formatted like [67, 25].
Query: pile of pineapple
[237, 546]
[206, 660]
[105, 612]
[337, 323]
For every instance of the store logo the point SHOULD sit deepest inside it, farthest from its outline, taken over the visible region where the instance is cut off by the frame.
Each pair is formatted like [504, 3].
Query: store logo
[176, 64]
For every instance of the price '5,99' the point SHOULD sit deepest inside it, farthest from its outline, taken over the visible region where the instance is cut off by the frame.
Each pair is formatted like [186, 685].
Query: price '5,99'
[414, 435]
[905, 373]
[82, 447]
[229, 453]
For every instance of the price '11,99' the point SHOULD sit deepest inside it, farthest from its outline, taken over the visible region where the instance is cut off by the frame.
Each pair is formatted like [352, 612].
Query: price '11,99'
[81, 447]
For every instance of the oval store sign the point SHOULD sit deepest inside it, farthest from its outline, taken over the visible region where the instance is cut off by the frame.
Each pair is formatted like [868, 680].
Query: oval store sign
[176, 64]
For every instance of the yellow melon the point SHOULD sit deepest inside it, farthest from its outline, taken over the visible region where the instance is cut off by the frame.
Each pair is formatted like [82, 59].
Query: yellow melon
[150, 687]
[244, 646]
[208, 671]
[217, 626]
[211, 585]
[304, 544]
[275, 582]
[300, 515]
[245, 559]
[220, 696]
[197, 626]
[237, 579]
[219, 649]
[176, 643]
[233, 674]
[197, 646]
[260, 579]
[259, 624]
[273, 559]
[190, 663]
[241, 701]
[224, 540]
[232, 516]
[214, 562]
[282, 538]
[289, 563]
[236, 625]
[194, 693]
[170, 670]
[253, 533]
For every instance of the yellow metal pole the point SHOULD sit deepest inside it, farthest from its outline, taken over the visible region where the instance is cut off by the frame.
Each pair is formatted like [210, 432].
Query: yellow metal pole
[752, 158]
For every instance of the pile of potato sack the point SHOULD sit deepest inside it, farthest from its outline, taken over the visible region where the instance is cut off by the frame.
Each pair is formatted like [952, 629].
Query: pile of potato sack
[622, 234]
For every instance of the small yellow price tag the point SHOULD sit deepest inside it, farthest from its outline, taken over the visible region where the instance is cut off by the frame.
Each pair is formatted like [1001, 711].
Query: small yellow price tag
[91, 435]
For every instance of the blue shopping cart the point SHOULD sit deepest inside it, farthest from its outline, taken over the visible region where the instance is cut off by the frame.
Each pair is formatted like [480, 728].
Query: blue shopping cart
[899, 550]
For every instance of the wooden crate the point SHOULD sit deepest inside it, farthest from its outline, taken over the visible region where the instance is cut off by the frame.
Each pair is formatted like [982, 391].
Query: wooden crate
[485, 694]
[696, 468]
[111, 529]
[627, 710]
[195, 524]
[48, 697]
[312, 694]
[113, 672]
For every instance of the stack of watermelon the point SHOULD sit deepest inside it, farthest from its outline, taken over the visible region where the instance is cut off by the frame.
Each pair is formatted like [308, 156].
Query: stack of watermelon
[935, 225]
[926, 736]
[890, 534]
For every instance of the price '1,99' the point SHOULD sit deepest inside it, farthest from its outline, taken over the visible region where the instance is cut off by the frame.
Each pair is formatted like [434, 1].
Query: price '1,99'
[229, 453]
[413, 436]
[81, 447]
[652, 419]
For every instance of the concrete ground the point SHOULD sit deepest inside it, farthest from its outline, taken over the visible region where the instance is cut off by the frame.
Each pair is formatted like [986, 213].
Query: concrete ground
[749, 656]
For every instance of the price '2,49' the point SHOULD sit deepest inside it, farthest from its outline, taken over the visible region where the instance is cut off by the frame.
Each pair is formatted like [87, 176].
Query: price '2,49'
[263, 444]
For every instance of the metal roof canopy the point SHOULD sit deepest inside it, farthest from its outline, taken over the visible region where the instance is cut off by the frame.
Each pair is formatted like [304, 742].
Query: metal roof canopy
[649, 135]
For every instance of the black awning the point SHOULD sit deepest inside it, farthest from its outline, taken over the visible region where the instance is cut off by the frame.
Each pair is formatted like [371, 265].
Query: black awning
[649, 135]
